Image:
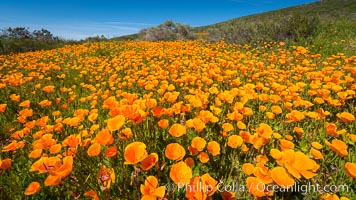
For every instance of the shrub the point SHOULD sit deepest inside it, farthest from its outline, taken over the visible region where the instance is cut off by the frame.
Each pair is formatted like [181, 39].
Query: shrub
[168, 31]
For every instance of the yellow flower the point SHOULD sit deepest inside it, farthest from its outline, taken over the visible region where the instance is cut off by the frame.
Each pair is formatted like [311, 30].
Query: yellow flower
[234, 141]
[149, 190]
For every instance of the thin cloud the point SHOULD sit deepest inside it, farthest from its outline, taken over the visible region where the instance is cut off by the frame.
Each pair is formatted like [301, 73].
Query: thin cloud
[130, 23]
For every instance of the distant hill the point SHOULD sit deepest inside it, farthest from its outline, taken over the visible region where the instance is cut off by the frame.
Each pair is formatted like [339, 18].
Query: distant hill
[328, 23]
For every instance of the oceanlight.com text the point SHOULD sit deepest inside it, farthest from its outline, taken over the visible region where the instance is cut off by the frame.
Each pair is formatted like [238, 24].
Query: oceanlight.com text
[261, 187]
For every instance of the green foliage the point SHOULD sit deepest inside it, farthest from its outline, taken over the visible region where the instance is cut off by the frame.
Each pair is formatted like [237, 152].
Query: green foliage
[296, 27]
[20, 39]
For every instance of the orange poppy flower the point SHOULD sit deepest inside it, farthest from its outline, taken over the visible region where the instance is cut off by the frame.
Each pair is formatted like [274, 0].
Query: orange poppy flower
[196, 123]
[206, 116]
[42, 122]
[352, 137]
[3, 107]
[35, 153]
[276, 109]
[157, 111]
[48, 89]
[5, 164]
[299, 131]
[203, 157]
[241, 125]
[94, 127]
[55, 148]
[214, 148]
[257, 141]
[125, 134]
[177, 130]
[25, 104]
[92, 194]
[189, 161]
[285, 144]
[210, 182]
[26, 113]
[296, 163]
[56, 113]
[33, 188]
[263, 173]
[94, 149]
[15, 97]
[350, 169]
[226, 195]
[338, 146]
[319, 100]
[111, 152]
[109, 102]
[198, 143]
[234, 141]
[151, 103]
[180, 173]
[289, 137]
[92, 117]
[174, 151]
[295, 116]
[281, 177]
[85, 142]
[299, 164]
[104, 137]
[135, 152]
[149, 161]
[13, 146]
[246, 111]
[201, 187]
[316, 154]
[248, 168]
[71, 141]
[227, 127]
[255, 186]
[261, 160]
[264, 131]
[236, 116]
[317, 145]
[346, 117]
[149, 189]
[245, 136]
[163, 123]
[65, 169]
[59, 171]
[196, 192]
[262, 108]
[45, 103]
[115, 123]
[330, 196]
[331, 129]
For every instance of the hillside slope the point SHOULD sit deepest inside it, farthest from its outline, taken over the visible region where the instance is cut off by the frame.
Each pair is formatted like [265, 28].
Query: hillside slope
[329, 24]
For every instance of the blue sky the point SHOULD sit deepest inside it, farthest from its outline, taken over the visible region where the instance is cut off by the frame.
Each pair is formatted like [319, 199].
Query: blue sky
[77, 19]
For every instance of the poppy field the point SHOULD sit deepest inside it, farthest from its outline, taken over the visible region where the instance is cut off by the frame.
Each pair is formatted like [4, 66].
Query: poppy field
[175, 120]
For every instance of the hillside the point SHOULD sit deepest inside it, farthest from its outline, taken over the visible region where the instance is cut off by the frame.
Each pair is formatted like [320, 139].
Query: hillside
[327, 10]
[328, 24]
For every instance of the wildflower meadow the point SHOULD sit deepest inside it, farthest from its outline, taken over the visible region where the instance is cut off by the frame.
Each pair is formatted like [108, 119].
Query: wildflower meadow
[177, 120]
